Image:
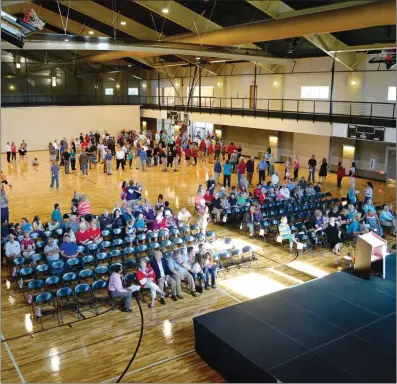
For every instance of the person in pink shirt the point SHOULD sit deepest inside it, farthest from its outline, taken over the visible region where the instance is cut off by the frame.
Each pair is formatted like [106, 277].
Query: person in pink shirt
[241, 167]
[117, 291]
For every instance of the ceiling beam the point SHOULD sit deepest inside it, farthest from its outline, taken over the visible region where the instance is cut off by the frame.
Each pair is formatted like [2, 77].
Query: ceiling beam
[192, 21]
[279, 10]
[113, 19]
[364, 48]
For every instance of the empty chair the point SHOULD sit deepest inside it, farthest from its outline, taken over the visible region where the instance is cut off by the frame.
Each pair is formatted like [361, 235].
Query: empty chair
[141, 239]
[52, 284]
[184, 230]
[85, 297]
[210, 236]
[88, 261]
[105, 246]
[69, 279]
[141, 250]
[163, 234]
[106, 235]
[86, 275]
[189, 240]
[199, 237]
[116, 232]
[100, 292]
[92, 249]
[18, 264]
[102, 259]
[40, 246]
[166, 245]
[168, 254]
[194, 229]
[130, 265]
[44, 306]
[73, 264]
[177, 242]
[24, 278]
[101, 272]
[129, 241]
[129, 279]
[57, 268]
[65, 301]
[35, 287]
[117, 244]
[128, 253]
[35, 259]
[152, 237]
[115, 256]
[48, 234]
[174, 232]
[153, 246]
[42, 271]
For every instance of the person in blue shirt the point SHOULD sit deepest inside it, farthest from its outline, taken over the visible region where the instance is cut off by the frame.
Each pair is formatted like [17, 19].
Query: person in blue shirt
[26, 226]
[227, 172]
[217, 170]
[368, 206]
[211, 185]
[140, 223]
[54, 175]
[353, 228]
[352, 195]
[143, 157]
[56, 213]
[261, 167]
[291, 185]
[387, 219]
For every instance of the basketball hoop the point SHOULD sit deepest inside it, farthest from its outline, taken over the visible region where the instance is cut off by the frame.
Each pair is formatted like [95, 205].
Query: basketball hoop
[32, 19]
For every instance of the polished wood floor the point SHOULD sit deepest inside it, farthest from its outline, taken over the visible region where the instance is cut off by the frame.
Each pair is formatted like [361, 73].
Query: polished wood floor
[98, 349]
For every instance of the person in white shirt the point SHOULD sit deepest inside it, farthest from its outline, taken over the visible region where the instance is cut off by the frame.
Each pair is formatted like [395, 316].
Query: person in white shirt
[51, 251]
[157, 137]
[13, 248]
[184, 217]
[120, 159]
[285, 192]
[163, 276]
[275, 178]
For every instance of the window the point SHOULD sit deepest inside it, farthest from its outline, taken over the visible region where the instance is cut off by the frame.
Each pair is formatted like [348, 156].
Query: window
[109, 91]
[391, 95]
[316, 92]
[132, 91]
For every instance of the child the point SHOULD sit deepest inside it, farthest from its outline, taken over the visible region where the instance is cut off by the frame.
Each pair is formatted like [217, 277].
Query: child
[4, 179]
[35, 164]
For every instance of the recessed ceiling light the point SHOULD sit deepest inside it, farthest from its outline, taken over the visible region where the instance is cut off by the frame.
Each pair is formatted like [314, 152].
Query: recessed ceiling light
[66, 40]
[91, 32]
[165, 10]
[123, 22]
[129, 65]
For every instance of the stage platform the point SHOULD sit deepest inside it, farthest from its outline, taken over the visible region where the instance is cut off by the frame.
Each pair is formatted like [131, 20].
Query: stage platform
[338, 328]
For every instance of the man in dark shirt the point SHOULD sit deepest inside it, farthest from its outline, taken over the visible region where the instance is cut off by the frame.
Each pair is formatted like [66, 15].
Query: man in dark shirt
[312, 168]
[216, 208]
[106, 220]
[250, 169]
[66, 160]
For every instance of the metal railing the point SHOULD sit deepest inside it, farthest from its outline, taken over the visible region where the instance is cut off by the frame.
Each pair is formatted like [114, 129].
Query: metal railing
[320, 110]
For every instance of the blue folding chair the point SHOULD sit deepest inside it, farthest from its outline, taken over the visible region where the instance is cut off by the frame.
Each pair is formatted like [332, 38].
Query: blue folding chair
[128, 253]
[73, 264]
[85, 275]
[42, 271]
[101, 272]
[52, 284]
[65, 301]
[69, 279]
[44, 305]
[85, 297]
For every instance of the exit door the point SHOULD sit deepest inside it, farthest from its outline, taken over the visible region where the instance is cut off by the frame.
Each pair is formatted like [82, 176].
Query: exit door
[391, 165]
[253, 93]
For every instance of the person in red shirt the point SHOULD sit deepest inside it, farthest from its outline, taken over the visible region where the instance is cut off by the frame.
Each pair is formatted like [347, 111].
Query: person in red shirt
[95, 233]
[147, 279]
[262, 195]
[208, 197]
[188, 153]
[203, 147]
[82, 235]
[217, 150]
[241, 167]
[340, 173]
[195, 154]
[230, 149]
[210, 153]
[178, 140]
[178, 149]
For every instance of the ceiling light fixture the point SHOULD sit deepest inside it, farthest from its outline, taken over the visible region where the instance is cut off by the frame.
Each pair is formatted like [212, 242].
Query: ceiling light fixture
[118, 86]
[144, 85]
[354, 83]
[165, 11]
[129, 65]
[66, 40]
[18, 65]
[12, 87]
[137, 77]
[123, 22]
[275, 83]
[197, 58]
[91, 32]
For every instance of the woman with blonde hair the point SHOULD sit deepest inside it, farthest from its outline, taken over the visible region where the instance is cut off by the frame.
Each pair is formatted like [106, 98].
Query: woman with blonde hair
[285, 232]
[296, 167]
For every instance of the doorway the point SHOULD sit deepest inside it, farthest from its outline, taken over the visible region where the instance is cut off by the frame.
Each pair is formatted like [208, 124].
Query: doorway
[253, 93]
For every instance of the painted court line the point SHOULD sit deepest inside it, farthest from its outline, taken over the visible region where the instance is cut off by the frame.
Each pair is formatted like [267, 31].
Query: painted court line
[13, 360]
[151, 365]
[228, 294]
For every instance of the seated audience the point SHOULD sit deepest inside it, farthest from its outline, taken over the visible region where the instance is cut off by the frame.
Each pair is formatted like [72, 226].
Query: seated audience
[117, 291]
[387, 219]
[51, 251]
[12, 248]
[68, 249]
[28, 245]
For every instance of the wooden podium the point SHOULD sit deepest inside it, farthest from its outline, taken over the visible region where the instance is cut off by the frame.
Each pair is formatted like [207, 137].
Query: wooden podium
[371, 251]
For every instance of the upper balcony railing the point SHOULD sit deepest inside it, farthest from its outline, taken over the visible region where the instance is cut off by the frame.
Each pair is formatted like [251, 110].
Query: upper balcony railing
[371, 113]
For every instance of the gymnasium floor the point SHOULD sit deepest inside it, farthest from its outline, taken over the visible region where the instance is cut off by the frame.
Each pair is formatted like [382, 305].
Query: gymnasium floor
[99, 348]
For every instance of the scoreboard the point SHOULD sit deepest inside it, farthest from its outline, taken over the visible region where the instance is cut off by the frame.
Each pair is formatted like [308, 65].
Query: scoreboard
[365, 132]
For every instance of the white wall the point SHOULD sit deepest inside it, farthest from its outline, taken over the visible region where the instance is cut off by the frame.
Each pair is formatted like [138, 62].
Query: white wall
[286, 125]
[371, 85]
[39, 125]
